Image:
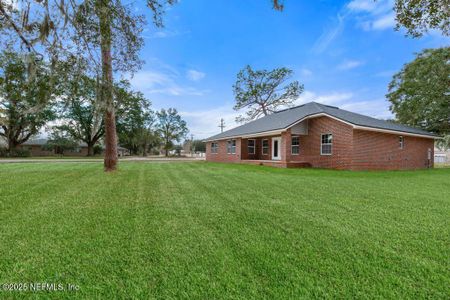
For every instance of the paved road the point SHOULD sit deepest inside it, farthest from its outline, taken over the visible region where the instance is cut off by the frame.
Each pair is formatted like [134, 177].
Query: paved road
[98, 160]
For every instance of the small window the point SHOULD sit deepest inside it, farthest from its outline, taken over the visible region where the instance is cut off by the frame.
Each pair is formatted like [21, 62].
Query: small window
[295, 145]
[251, 146]
[401, 142]
[326, 146]
[265, 147]
[214, 147]
[231, 147]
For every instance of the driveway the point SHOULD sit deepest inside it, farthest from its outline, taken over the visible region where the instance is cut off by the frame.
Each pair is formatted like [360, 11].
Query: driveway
[99, 160]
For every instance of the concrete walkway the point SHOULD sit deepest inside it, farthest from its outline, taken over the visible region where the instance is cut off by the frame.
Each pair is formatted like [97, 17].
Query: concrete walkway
[99, 160]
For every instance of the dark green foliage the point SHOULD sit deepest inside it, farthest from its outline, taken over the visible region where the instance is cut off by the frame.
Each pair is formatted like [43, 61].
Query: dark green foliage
[420, 92]
[25, 100]
[98, 149]
[60, 142]
[262, 92]
[82, 108]
[170, 127]
[134, 120]
[420, 16]
[198, 146]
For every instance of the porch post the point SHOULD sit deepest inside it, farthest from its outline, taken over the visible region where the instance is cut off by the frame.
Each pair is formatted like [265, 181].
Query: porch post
[286, 146]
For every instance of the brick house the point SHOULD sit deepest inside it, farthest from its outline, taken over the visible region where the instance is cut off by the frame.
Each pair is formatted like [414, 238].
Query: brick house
[322, 136]
[37, 148]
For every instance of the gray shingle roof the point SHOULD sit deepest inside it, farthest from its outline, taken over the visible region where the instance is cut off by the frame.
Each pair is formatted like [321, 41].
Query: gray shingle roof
[41, 142]
[285, 118]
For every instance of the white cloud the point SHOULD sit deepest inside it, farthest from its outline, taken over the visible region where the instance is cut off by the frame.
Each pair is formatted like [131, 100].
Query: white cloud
[362, 5]
[350, 64]
[377, 108]
[163, 82]
[333, 98]
[384, 22]
[195, 75]
[205, 123]
[373, 15]
[368, 14]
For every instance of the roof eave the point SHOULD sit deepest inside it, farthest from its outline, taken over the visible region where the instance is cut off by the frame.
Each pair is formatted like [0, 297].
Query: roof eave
[354, 126]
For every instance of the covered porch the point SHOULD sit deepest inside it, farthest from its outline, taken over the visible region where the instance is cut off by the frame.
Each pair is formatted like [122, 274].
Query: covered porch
[280, 149]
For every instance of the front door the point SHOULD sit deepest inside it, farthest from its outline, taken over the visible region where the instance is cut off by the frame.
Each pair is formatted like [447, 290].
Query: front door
[276, 147]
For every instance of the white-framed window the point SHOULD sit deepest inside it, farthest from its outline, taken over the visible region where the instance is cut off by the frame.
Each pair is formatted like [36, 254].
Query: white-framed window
[265, 146]
[251, 146]
[326, 144]
[401, 142]
[295, 145]
[231, 146]
[214, 147]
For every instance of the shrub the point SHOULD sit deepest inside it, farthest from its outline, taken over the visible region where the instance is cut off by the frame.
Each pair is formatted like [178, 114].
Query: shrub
[3, 152]
[98, 149]
[20, 153]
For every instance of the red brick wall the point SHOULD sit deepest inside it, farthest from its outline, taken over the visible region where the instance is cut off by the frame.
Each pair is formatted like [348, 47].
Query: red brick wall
[37, 150]
[222, 155]
[381, 151]
[341, 157]
[352, 149]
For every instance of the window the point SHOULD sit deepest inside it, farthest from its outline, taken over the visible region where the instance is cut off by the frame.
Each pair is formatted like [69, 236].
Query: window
[401, 142]
[231, 147]
[265, 147]
[214, 147]
[295, 145]
[326, 146]
[251, 146]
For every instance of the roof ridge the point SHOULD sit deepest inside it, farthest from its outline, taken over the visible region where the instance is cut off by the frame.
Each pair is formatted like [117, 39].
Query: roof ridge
[293, 107]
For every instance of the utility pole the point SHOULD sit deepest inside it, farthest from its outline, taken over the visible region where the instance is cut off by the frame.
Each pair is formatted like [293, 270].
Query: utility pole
[192, 145]
[222, 124]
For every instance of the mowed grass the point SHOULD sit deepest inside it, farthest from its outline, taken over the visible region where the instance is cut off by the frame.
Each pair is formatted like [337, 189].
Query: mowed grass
[218, 231]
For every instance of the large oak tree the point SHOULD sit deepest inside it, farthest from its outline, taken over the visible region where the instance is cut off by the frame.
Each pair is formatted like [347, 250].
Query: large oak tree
[107, 33]
[171, 127]
[420, 92]
[25, 101]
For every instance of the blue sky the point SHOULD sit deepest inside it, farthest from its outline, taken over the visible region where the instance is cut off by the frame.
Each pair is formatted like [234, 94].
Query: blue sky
[344, 52]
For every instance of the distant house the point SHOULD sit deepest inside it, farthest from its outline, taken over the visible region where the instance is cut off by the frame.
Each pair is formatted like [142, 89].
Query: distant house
[442, 157]
[37, 148]
[323, 136]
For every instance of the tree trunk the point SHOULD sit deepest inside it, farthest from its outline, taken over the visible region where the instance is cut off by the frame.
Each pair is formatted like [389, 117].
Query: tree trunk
[167, 152]
[144, 152]
[90, 150]
[12, 145]
[110, 161]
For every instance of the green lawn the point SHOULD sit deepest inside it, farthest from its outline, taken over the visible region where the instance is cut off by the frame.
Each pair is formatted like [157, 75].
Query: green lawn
[209, 231]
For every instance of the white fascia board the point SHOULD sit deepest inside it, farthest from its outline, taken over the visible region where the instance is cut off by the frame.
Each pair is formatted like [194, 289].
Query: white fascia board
[365, 127]
[279, 131]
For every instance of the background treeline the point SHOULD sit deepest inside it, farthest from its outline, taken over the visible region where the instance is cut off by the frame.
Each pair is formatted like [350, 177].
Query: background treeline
[66, 99]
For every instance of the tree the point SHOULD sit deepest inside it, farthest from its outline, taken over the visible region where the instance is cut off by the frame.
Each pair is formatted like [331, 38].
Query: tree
[91, 27]
[420, 92]
[82, 110]
[198, 145]
[25, 103]
[170, 127]
[444, 143]
[263, 91]
[418, 17]
[60, 142]
[134, 119]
